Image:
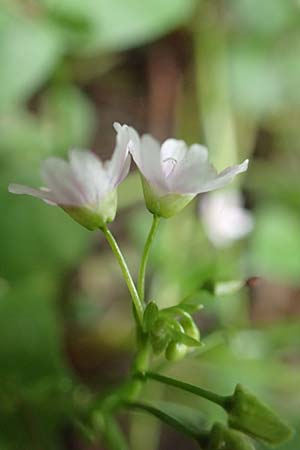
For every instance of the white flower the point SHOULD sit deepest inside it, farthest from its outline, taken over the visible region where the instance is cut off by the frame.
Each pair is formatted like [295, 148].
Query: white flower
[84, 187]
[174, 174]
[224, 218]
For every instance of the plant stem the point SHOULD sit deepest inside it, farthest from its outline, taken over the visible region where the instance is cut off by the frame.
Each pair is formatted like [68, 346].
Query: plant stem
[142, 272]
[208, 395]
[126, 274]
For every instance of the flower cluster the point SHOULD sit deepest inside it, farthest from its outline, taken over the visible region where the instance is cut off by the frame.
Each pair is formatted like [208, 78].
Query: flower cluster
[172, 175]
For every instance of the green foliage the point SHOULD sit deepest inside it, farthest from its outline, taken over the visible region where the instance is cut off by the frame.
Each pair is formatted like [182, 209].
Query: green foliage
[276, 244]
[29, 51]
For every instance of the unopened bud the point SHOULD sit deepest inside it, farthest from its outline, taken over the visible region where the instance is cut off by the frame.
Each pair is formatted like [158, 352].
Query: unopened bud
[251, 416]
[223, 438]
[176, 351]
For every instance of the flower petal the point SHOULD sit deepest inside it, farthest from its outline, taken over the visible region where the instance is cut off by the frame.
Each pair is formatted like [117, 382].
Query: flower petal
[147, 158]
[172, 153]
[225, 176]
[90, 176]
[118, 166]
[59, 177]
[42, 193]
[193, 172]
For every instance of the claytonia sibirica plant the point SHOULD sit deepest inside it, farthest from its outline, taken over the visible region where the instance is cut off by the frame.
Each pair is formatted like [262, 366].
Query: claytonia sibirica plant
[172, 175]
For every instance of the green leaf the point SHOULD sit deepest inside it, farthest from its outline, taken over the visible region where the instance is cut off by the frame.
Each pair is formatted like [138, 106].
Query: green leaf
[184, 419]
[28, 53]
[68, 118]
[275, 245]
[134, 22]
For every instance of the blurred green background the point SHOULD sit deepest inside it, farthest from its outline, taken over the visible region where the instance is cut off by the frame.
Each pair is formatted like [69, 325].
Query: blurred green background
[223, 73]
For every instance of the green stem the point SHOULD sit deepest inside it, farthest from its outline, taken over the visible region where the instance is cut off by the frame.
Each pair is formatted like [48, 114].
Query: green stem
[142, 272]
[126, 274]
[208, 395]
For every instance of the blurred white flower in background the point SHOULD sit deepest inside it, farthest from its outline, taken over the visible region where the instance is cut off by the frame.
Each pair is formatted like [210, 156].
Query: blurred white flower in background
[224, 217]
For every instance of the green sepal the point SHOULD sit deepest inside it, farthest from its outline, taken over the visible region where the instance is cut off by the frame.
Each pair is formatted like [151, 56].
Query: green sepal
[167, 205]
[94, 216]
[251, 416]
[150, 316]
[159, 336]
[187, 324]
[190, 327]
[223, 438]
[194, 302]
[178, 334]
[159, 343]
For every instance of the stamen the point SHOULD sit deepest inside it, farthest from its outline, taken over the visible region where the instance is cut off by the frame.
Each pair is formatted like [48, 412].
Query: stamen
[169, 165]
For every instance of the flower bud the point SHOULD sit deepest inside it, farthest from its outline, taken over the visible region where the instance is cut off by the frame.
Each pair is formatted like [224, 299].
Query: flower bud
[223, 438]
[175, 351]
[249, 415]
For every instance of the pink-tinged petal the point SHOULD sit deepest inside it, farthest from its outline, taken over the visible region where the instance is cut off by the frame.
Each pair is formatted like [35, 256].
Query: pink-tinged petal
[171, 154]
[42, 193]
[89, 174]
[135, 149]
[59, 177]
[118, 166]
[225, 177]
[150, 163]
[193, 172]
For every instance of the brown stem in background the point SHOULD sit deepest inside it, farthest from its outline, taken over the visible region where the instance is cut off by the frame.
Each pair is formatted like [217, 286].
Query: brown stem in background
[164, 86]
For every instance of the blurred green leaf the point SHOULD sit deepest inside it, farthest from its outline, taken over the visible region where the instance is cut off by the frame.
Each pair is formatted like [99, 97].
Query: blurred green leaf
[275, 246]
[68, 118]
[118, 25]
[29, 51]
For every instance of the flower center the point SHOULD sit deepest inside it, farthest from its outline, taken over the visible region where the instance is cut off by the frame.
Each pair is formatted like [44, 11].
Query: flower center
[169, 165]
